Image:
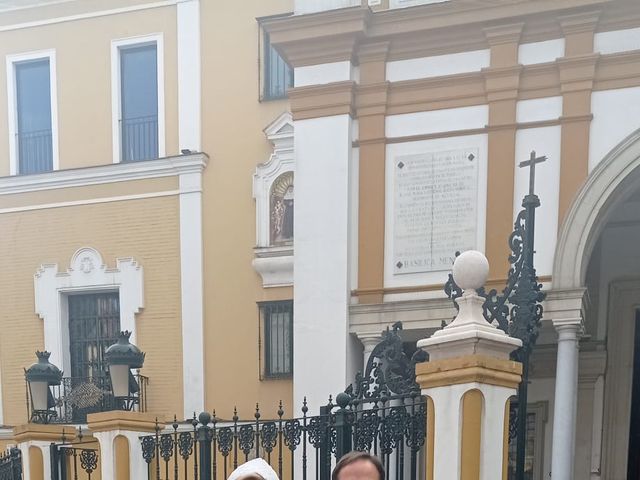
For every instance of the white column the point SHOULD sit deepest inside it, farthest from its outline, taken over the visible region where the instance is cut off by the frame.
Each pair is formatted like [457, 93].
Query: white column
[191, 283]
[369, 342]
[323, 155]
[107, 453]
[566, 399]
[189, 85]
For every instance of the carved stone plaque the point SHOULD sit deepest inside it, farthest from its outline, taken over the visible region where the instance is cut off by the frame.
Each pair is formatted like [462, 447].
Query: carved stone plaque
[435, 209]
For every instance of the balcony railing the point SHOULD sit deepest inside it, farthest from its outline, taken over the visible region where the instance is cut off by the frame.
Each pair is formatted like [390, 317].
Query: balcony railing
[35, 151]
[139, 138]
[75, 398]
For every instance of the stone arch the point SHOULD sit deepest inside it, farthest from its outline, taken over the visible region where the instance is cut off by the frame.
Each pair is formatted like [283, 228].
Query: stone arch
[617, 173]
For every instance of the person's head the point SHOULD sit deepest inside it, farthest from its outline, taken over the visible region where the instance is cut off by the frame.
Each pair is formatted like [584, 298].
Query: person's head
[358, 466]
[256, 469]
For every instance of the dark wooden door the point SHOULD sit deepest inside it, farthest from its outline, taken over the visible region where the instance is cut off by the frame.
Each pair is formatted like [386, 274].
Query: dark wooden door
[633, 464]
[94, 323]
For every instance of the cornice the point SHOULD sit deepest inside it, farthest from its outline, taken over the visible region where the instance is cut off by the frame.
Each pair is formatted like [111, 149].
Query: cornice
[322, 100]
[502, 34]
[428, 29]
[116, 172]
[580, 22]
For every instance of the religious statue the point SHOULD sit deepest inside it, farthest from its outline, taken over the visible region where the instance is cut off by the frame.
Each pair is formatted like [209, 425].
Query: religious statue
[281, 211]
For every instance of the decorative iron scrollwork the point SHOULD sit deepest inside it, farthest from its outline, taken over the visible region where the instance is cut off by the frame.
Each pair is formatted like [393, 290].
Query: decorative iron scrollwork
[225, 440]
[292, 432]
[246, 438]
[88, 460]
[366, 430]
[185, 445]
[148, 448]
[166, 447]
[388, 370]
[269, 436]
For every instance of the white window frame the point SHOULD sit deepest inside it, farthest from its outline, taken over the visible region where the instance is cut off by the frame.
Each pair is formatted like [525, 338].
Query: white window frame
[116, 97]
[87, 273]
[12, 104]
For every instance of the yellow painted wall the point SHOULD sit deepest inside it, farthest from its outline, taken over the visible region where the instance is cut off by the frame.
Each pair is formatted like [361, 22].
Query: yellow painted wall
[83, 60]
[232, 124]
[147, 230]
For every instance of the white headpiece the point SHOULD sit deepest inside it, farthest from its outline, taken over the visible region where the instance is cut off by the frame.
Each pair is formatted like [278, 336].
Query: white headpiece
[256, 466]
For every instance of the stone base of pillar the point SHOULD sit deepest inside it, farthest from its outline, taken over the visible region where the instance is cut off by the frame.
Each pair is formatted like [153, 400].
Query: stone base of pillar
[118, 433]
[469, 400]
[33, 440]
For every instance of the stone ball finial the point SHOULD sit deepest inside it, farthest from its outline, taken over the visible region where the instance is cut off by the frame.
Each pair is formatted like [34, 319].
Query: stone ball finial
[470, 270]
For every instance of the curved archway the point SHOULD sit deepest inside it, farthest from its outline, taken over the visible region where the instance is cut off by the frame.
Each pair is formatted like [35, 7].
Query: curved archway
[617, 173]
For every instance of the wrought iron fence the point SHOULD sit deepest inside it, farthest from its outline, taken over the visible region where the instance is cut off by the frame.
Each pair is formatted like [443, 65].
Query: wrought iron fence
[72, 462]
[11, 465]
[382, 412]
[139, 138]
[35, 151]
[76, 397]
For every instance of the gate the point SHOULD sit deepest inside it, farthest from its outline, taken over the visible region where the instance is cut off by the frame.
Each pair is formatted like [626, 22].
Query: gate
[11, 465]
[382, 412]
[71, 462]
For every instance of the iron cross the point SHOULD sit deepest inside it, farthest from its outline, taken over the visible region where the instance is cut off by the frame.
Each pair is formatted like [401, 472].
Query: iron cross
[531, 163]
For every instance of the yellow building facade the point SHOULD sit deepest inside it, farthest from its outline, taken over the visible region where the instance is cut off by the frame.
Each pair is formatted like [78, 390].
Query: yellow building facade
[154, 193]
[174, 235]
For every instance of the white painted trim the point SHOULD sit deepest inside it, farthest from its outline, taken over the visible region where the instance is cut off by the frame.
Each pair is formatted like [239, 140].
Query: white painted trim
[541, 52]
[539, 109]
[121, 172]
[84, 16]
[189, 76]
[192, 295]
[323, 73]
[273, 263]
[12, 112]
[435, 121]
[438, 65]
[116, 47]
[617, 41]
[91, 201]
[86, 273]
[281, 161]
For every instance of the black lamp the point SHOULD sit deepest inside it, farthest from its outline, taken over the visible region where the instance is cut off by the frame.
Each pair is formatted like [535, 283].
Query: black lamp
[40, 376]
[122, 357]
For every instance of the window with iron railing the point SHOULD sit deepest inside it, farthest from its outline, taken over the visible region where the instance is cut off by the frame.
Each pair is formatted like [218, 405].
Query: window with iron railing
[278, 75]
[139, 102]
[34, 141]
[277, 319]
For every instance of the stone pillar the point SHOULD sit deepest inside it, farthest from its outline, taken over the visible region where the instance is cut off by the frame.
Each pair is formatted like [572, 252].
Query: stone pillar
[468, 381]
[33, 440]
[566, 399]
[369, 342]
[109, 428]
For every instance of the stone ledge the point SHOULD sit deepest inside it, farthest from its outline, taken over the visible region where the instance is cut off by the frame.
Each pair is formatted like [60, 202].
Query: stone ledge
[469, 369]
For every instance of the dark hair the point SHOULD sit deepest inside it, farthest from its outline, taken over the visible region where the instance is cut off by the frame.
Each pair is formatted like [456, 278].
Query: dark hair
[353, 457]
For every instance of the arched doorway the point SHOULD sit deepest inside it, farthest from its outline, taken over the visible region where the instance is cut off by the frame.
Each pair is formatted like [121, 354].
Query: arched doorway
[598, 252]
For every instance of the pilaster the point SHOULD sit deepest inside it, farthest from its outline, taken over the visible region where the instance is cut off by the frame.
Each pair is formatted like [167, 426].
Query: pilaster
[118, 434]
[577, 72]
[371, 106]
[502, 80]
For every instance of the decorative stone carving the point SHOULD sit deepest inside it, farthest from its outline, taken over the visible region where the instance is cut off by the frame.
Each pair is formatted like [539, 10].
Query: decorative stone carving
[86, 273]
[273, 190]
